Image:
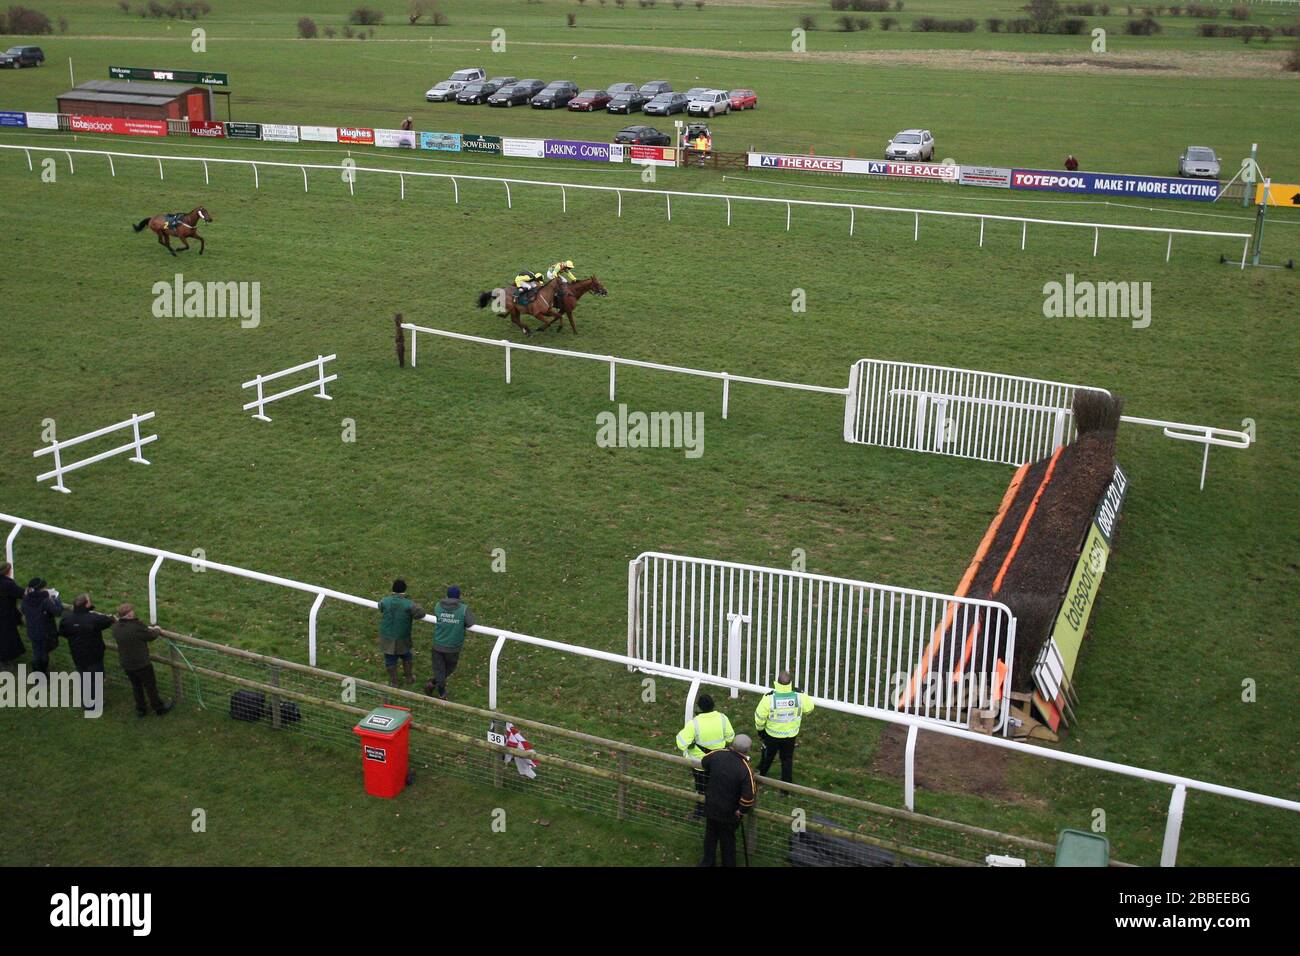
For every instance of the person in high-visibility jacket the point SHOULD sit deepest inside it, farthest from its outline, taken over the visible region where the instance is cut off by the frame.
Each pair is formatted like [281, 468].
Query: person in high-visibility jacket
[778, 717]
[707, 731]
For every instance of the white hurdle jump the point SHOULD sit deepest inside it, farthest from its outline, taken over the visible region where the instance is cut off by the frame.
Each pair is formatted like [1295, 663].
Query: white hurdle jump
[56, 448]
[317, 383]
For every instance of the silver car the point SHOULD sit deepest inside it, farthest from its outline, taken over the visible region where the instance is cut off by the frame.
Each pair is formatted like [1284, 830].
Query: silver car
[915, 144]
[444, 92]
[1199, 161]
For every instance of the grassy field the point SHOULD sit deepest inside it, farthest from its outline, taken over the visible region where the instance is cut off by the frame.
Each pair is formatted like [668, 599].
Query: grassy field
[450, 463]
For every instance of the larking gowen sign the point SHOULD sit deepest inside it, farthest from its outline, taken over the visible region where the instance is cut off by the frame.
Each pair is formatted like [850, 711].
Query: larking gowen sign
[172, 76]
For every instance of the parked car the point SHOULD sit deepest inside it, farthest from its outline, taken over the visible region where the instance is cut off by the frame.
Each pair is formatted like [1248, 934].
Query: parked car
[744, 100]
[557, 93]
[695, 91]
[501, 81]
[629, 102]
[1198, 161]
[642, 136]
[472, 75]
[709, 103]
[589, 100]
[654, 88]
[21, 56]
[616, 88]
[665, 104]
[444, 91]
[516, 94]
[911, 144]
[479, 92]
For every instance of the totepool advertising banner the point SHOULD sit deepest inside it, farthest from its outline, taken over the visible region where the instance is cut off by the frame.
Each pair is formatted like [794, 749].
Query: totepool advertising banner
[117, 124]
[360, 135]
[447, 142]
[207, 128]
[1116, 184]
[8, 118]
[319, 134]
[279, 133]
[42, 120]
[531, 148]
[578, 149]
[995, 176]
[940, 172]
[477, 143]
[395, 138]
[244, 130]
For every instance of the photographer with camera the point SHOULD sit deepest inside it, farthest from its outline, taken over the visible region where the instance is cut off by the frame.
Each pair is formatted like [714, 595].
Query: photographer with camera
[41, 605]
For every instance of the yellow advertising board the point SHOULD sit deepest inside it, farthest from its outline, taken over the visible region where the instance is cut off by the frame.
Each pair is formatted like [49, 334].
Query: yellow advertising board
[1278, 194]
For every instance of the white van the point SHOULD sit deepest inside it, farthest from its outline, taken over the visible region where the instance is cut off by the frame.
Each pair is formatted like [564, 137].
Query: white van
[709, 103]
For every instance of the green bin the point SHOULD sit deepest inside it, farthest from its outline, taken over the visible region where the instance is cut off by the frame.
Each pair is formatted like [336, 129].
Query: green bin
[1081, 848]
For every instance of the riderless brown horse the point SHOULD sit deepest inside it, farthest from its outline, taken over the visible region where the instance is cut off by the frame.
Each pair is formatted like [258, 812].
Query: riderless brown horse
[185, 228]
[541, 305]
[568, 298]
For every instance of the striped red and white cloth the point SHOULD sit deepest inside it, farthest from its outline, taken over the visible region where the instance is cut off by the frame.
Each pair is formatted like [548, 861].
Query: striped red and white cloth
[516, 740]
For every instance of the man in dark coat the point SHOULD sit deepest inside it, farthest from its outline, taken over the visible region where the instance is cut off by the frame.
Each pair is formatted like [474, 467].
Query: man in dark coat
[11, 645]
[132, 637]
[84, 628]
[41, 605]
[728, 796]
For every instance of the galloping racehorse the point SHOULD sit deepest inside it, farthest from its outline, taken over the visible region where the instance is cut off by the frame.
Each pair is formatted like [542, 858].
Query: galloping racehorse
[182, 227]
[542, 304]
[568, 299]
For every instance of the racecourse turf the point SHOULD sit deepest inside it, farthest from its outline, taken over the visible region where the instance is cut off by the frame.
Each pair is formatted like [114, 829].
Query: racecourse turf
[450, 463]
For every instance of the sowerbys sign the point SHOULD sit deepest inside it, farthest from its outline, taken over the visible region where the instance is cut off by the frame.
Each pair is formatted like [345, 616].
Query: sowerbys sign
[943, 172]
[174, 76]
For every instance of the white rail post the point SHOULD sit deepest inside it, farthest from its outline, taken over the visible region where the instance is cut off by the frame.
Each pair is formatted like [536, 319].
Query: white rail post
[1024, 234]
[413, 347]
[1096, 236]
[981, 232]
[506, 343]
[1169, 247]
[691, 694]
[497, 648]
[1205, 462]
[909, 770]
[735, 630]
[72, 169]
[138, 456]
[787, 217]
[257, 182]
[613, 366]
[1173, 826]
[304, 178]
[29, 159]
[916, 232]
[618, 191]
[58, 469]
[160, 170]
[205, 173]
[853, 215]
[564, 201]
[509, 202]
[351, 176]
[726, 393]
[261, 402]
[320, 371]
[668, 199]
[402, 180]
[728, 211]
[311, 628]
[111, 170]
[9, 545]
[153, 589]
[455, 190]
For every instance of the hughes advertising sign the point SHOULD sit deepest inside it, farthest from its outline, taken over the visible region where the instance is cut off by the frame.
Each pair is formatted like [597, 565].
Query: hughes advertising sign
[207, 128]
[476, 143]
[577, 149]
[447, 142]
[117, 124]
[1116, 184]
[360, 135]
[941, 172]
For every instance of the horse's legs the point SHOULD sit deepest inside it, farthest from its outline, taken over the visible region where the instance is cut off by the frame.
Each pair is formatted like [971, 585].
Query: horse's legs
[572, 327]
[185, 241]
[202, 244]
[162, 238]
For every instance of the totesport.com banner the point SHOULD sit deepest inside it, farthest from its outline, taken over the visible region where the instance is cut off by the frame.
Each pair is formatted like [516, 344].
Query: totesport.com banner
[117, 124]
[1116, 184]
[942, 172]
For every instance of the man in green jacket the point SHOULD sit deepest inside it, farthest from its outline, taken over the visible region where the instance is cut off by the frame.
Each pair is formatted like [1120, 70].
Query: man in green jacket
[396, 612]
[132, 637]
[453, 616]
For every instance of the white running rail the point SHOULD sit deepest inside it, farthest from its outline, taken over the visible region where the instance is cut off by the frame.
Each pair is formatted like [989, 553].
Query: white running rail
[57, 447]
[318, 383]
[348, 175]
[914, 723]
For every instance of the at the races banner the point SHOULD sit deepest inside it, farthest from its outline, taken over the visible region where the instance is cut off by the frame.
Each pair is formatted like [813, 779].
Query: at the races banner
[244, 130]
[995, 176]
[940, 172]
[577, 149]
[9, 118]
[208, 128]
[319, 134]
[360, 135]
[530, 148]
[653, 155]
[42, 120]
[447, 142]
[395, 138]
[1116, 184]
[279, 133]
[478, 143]
[117, 124]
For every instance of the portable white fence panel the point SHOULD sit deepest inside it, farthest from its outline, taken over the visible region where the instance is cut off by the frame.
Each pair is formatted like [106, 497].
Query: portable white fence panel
[62, 467]
[951, 411]
[932, 655]
[318, 383]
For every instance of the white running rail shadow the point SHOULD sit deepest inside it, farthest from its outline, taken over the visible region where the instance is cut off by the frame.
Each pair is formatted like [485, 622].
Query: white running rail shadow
[318, 383]
[914, 723]
[61, 468]
[853, 208]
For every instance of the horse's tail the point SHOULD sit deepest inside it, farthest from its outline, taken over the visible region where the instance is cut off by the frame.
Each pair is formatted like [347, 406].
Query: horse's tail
[139, 226]
[483, 299]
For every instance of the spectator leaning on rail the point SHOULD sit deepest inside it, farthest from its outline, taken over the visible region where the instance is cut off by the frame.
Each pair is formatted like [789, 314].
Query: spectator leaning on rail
[397, 611]
[83, 626]
[41, 605]
[730, 795]
[778, 718]
[1071, 163]
[707, 731]
[11, 644]
[452, 617]
[132, 637]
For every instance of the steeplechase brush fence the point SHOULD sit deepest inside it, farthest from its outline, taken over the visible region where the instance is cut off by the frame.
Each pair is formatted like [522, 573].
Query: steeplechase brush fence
[62, 467]
[318, 383]
[348, 173]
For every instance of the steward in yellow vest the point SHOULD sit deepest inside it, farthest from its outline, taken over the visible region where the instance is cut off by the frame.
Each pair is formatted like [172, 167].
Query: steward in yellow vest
[708, 731]
[778, 718]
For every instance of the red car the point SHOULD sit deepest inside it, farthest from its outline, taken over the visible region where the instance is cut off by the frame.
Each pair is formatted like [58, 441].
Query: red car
[589, 100]
[743, 100]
